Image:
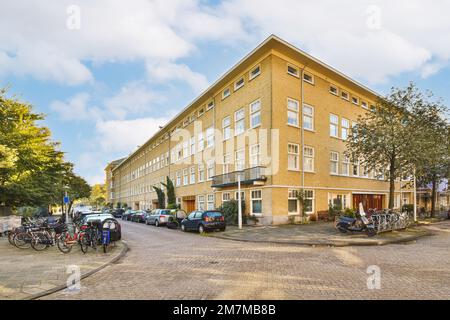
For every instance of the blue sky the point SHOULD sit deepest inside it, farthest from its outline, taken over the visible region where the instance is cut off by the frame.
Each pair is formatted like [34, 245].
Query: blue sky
[108, 73]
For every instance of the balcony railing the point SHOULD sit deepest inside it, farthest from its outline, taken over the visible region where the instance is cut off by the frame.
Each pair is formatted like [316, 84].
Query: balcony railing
[247, 176]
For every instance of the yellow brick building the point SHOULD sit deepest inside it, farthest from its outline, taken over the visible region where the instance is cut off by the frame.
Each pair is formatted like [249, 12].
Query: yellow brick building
[277, 120]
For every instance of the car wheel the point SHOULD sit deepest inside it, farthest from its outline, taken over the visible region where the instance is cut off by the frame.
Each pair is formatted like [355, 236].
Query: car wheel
[156, 223]
[183, 228]
[201, 229]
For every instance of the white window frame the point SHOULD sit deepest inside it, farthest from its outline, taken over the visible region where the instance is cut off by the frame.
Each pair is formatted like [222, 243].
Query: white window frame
[312, 198]
[293, 196]
[252, 198]
[185, 176]
[226, 93]
[345, 95]
[210, 105]
[193, 172]
[346, 165]
[201, 172]
[255, 155]
[334, 87]
[210, 137]
[364, 105]
[255, 113]
[334, 124]
[200, 202]
[186, 149]
[295, 155]
[312, 81]
[355, 164]
[192, 145]
[210, 169]
[226, 128]
[201, 142]
[252, 75]
[226, 163]
[307, 115]
[345, 128]
[178, 181]
[308, 157]
[293, 111]
[295, 73]
[334, 162]
[239, 118]
[210, 202]
[238, 86]
[226, 196]
[239, 164]
[355, 102]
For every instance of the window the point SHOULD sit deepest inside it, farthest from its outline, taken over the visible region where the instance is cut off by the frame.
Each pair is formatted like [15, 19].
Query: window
[293, 71]
[201, 203]
[334, 90]
[210, 204]
[293, 201]
[210, 137]
[239, 160]
[355, 100]
[239, 122]
[334, 162]
[239, 84]
[192, 179]
[308, 78]
[201, 142]
[255, 114]
[226, 93]
[308, 164]
[254, 155]
[345, 169]
[334, 124]
[192, 141]
[210, 169]
[210, 105]
[345, 95]
[373, 108]
[308, 117]
[293, 156]
[309, 201]
[185, 177]
[340, 201]
[226, 164]
[355, 171]
[364, 105]
[397, 201]
[236, 195]
[256, 202]
[178, 178]
[345, 126]
[179, 153]
[201, 112]
[256, 71]
[226, 128]
[226, 196]
[365, 171]
[186, 149]
[201, 173]
[292, 112]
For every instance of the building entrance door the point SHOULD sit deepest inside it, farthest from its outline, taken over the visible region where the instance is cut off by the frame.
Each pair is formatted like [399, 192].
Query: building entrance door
[369, 201]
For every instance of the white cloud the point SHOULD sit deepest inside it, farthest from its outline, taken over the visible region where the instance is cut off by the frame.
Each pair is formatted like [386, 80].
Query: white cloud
[164, 72]
[76, 108]
[125, 135]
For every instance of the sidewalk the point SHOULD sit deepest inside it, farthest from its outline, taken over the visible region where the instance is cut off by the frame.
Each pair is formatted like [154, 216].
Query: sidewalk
[317, 234]
[26, 273]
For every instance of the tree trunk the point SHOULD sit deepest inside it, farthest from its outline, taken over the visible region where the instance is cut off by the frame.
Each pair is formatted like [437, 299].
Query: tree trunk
[391, 185]
[433, 196]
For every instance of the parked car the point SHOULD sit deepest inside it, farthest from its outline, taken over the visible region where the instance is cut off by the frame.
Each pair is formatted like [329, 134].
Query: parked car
[127, 214]
[139, 216]
[118, 213]
[158, 217]
[177, 215]
[116, 234]
[204, 220]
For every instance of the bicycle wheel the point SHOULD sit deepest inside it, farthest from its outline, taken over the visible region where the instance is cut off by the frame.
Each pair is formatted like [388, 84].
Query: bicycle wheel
[39, 242]
[105, 248]
[11, 237]
[22, 240]
[61, 243]
[84, 244]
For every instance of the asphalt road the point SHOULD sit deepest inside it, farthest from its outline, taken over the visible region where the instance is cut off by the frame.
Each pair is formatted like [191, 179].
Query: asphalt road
[169, 264]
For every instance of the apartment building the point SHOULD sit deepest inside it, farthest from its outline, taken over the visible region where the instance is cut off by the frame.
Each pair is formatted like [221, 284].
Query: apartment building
[277, 121]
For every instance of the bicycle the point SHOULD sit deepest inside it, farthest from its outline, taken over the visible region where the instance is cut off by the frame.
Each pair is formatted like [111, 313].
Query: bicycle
[90, 236]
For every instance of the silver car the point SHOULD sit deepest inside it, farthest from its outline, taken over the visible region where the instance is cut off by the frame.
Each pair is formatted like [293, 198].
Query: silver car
[158, 217]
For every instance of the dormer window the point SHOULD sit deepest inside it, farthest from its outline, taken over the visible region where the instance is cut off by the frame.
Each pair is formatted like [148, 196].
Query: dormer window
[293, 71]
[255, 72]
[239, 84]
[226, 93]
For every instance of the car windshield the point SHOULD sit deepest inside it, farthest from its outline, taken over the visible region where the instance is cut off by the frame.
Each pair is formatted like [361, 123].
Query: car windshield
[165, 212]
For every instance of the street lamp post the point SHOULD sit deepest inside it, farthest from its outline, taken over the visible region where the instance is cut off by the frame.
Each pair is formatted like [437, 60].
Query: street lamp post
[239, 202]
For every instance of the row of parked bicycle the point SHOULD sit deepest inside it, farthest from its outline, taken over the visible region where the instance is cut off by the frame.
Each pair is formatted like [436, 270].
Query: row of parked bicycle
[197, 220]
[373, 222]
[85, 231]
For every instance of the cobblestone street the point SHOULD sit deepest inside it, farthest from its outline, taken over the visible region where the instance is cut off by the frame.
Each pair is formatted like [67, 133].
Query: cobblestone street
[168, 264]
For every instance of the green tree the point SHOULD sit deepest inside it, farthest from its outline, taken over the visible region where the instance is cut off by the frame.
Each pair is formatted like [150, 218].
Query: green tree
[383, 138]
[98, 195]
[170, 190]
[161, 197]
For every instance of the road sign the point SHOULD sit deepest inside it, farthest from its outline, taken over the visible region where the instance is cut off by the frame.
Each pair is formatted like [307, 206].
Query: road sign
[66, 199]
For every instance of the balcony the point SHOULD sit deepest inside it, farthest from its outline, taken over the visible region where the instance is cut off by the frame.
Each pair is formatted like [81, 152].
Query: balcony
[247, 176]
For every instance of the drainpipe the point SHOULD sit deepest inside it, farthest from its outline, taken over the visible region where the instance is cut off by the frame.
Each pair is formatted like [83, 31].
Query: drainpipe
[302, 134]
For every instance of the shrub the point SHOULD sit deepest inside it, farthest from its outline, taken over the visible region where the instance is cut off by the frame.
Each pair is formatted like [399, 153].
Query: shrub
[230, 211]
[349, 213]
[409, 208]
[173, 206]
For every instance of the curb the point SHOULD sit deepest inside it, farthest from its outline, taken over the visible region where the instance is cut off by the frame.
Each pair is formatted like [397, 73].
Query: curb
[83, 276]
[336, 243]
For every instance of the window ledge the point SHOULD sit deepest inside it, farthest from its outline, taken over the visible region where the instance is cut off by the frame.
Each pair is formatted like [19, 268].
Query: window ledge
[293, 125]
